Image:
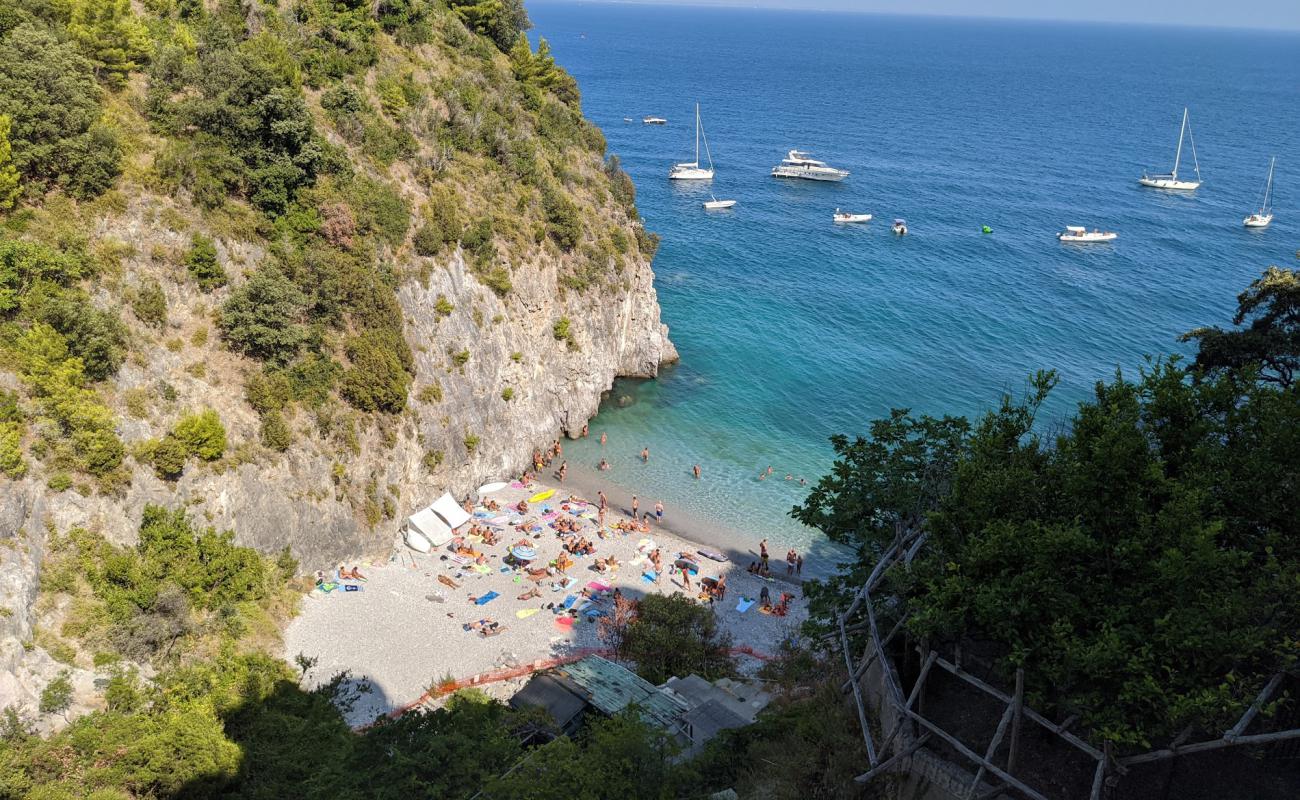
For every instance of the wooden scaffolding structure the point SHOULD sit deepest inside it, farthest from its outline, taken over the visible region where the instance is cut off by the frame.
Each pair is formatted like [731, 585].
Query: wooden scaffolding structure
[914, 729]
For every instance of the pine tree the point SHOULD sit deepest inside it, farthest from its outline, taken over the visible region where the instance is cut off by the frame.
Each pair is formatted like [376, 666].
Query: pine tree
[111, 36]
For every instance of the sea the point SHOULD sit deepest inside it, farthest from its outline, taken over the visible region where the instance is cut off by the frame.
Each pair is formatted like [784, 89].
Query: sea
[792, 329]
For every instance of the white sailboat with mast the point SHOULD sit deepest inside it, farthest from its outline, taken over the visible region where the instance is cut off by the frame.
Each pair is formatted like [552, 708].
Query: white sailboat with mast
[1262, 217]
[692, 171]
[1171, 180]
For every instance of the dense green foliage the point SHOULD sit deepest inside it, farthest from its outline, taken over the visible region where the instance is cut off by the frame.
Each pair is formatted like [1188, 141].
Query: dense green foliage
[674, 635]
[1270, 342]
[201, 261]
[48, 90]
[502, 21]
[1142, 566]
[10, 186]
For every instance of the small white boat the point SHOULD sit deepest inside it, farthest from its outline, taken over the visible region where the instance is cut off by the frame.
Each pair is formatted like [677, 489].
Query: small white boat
[1262, 217]
[900, 227]
[798, 164]
[653, 121]
[1171, 180]
[714, 204]
[692, 171]
[844, 216]
[627, 119]
[1078, 233]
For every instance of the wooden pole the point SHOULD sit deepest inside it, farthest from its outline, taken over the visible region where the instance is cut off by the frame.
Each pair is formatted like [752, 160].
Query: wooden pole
[1006, 777]
[992, 748]
[857, 698]
[1264, 694]
[1018, 703]
[892, 761]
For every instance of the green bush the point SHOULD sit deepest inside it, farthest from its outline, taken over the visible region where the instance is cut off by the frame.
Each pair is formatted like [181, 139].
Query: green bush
[150, 304]
[168, 457]
[111, 36]
[275, 432]
[673, 635]
[562, 330]
[263, 317]
[58, 382]
[502, 21]
[10, 181]
[48, 90]
[471, 443]
[377, 380]
[442, 225]
[380, 210]
[268, 391]
[201, 261]
[202, 434]
[507, 394]
[442, 306]
[564, 224]
[56, 697]
[11, 450]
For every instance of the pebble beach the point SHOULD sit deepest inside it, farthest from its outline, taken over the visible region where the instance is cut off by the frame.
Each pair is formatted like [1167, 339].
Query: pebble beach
[401, 630]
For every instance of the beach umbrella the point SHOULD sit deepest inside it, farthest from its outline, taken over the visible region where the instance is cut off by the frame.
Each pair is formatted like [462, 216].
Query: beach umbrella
[523, 553]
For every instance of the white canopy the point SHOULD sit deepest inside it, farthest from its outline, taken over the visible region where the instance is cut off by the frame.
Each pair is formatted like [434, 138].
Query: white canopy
[450, 511]
[429, 525]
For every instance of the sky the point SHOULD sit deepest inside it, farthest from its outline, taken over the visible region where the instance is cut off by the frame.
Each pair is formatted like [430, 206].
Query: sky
[1267, 14]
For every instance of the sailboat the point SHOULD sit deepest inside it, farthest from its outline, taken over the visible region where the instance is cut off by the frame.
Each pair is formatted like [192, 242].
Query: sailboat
[692, 171]
[1261, 218]
[1171, 181]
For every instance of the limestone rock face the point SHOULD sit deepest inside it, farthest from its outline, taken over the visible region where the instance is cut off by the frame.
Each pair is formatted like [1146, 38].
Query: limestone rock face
[492, 382]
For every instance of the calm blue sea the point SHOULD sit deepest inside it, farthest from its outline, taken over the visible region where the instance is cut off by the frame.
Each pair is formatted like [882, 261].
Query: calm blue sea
[792, 329]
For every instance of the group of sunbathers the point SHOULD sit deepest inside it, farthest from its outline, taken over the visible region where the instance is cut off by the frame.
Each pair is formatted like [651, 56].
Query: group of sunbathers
[344, 574]
[580, 546]
[485, 627]
[565, 525]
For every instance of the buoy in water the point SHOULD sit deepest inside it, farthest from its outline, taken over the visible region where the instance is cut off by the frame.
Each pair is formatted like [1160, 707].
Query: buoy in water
[986, 229]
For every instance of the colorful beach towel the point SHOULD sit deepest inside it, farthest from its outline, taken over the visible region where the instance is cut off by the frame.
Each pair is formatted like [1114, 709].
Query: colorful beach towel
[569, 601]
[649, 577]
[744, 605]
[525, 613]
[597, 586]
[351, 587]
[482, 569]
[564, 622]
[487, 598]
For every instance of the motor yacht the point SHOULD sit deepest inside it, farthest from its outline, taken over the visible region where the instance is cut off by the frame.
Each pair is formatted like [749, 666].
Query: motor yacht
[798, 164]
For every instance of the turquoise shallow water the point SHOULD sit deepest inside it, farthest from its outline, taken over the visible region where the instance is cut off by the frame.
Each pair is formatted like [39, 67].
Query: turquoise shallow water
[792, 329]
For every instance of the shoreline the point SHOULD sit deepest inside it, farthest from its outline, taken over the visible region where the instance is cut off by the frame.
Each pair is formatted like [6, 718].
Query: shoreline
[401, 631]
[737, 545]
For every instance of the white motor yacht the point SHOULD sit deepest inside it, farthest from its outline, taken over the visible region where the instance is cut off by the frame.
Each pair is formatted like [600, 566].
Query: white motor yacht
[844, 216]
[1078, 233]
[1171, 180]
[692, 171]
[798, 164]
[1262, 217]
[714, 204]
[653, 121]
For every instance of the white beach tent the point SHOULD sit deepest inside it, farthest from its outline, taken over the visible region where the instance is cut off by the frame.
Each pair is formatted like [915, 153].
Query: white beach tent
[450, 511]
[425, 528]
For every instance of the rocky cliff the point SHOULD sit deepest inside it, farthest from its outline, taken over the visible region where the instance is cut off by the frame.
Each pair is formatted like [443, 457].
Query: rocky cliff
[433, 166]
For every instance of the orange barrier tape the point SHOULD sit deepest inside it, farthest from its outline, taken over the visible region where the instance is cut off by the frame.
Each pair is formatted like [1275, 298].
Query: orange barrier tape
[496, 676]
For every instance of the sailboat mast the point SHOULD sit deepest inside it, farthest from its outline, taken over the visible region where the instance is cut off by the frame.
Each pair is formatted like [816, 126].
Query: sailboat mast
[1178, 154]
[1268, 187]
[697, 134]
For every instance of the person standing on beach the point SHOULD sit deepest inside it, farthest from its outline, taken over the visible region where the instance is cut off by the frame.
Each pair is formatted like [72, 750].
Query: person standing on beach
[564, 470]
[697, 472]
[659, 512]
[762, 549]
[645, 455]
[604, 502]
[635, 505]
[798, 565]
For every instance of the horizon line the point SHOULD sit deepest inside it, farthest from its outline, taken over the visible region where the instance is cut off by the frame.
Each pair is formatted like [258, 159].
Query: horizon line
[788, 5]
